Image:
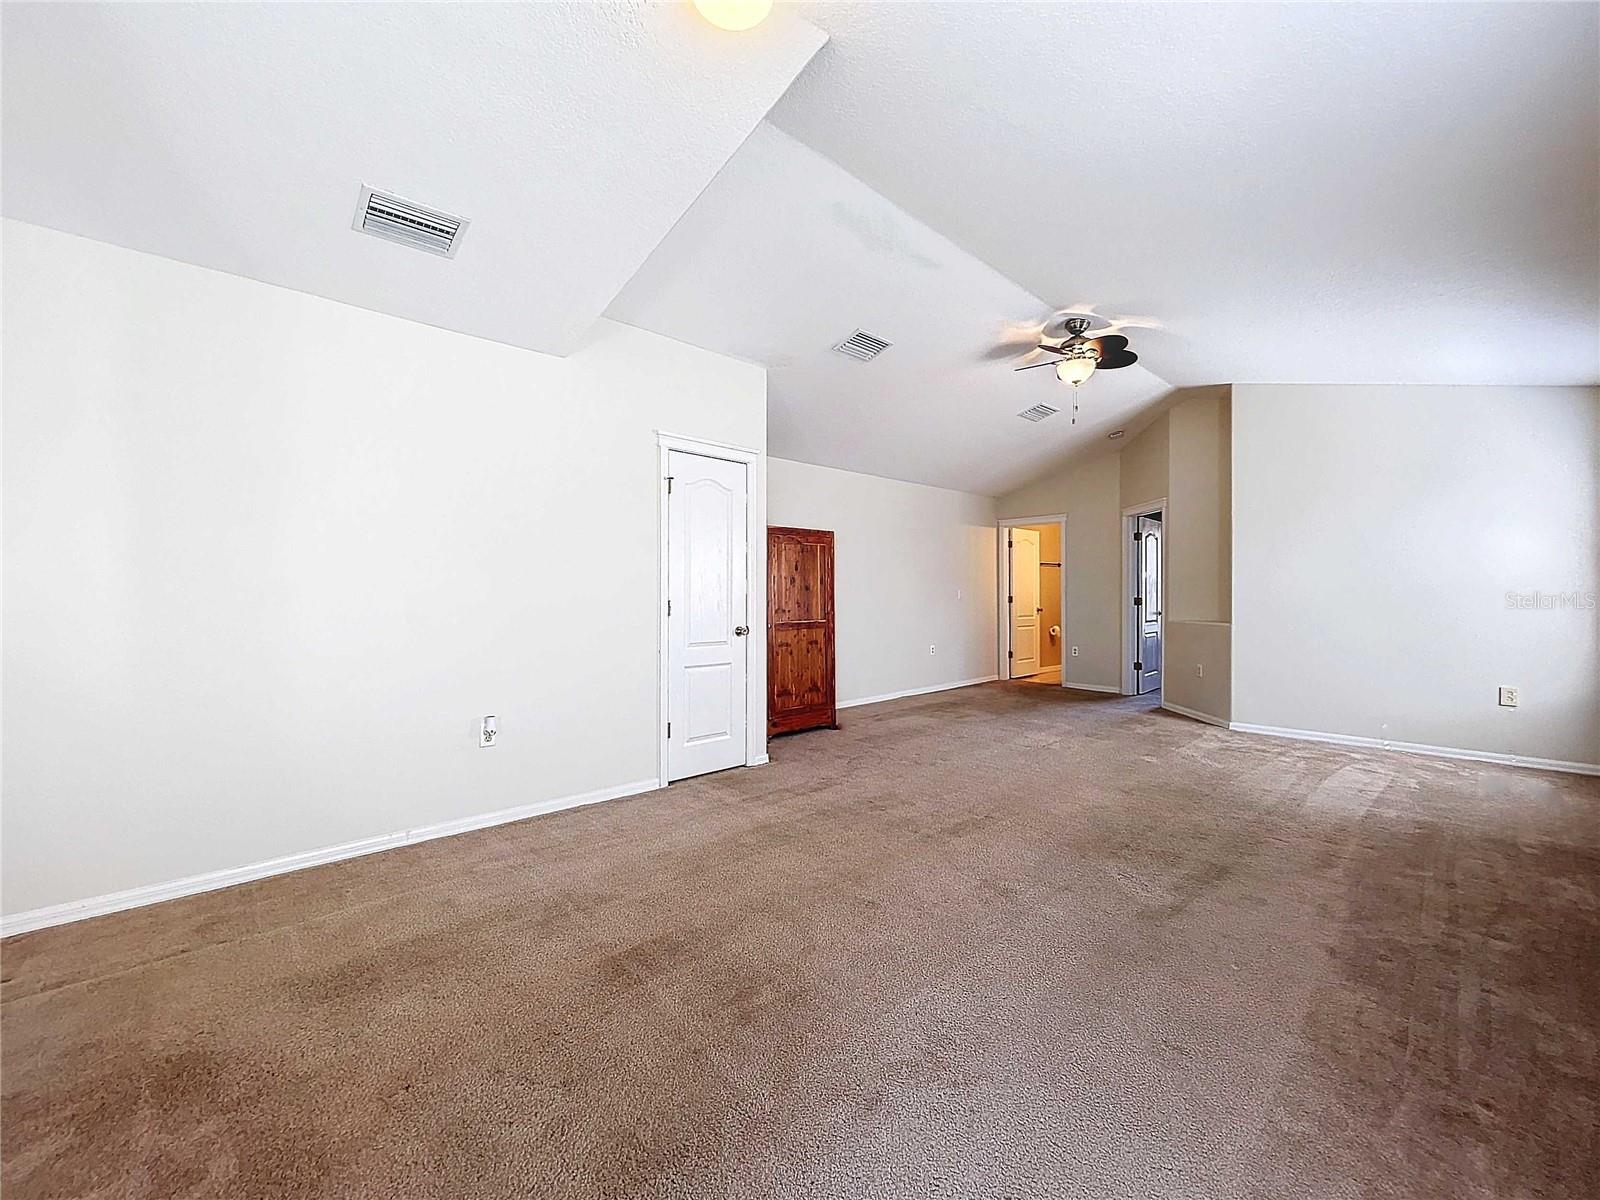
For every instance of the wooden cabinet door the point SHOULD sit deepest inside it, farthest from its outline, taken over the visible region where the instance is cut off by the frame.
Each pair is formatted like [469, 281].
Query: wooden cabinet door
[800, 682]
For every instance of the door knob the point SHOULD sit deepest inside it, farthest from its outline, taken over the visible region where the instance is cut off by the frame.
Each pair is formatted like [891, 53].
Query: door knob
[740, 630]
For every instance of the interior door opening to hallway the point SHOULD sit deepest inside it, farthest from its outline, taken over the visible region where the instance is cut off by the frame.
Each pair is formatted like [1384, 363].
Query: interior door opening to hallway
[1147, 601]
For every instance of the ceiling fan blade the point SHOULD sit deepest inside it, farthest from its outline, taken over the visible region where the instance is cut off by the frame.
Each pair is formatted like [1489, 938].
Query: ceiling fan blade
[1117, 323]
[1035, 366]
[1109, 344]
[1116, 359]
[1001, 350]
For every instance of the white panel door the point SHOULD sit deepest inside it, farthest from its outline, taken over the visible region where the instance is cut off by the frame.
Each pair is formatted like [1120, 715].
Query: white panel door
[1025, 608]
[708, 619]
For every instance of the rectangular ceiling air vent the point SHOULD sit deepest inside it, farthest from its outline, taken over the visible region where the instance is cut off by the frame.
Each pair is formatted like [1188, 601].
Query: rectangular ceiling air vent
[862, 346]
[409, 224]
[1038, 412]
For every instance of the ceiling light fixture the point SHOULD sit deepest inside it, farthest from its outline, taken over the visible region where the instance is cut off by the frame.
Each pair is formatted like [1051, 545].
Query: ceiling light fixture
[1077, 364]
[734, 15]
[1079, 356]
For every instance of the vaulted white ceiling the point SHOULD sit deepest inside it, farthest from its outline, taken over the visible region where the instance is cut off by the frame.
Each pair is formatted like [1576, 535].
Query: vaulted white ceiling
[1297, 192]
[1301, 192]
[237, 137]
[786, 254]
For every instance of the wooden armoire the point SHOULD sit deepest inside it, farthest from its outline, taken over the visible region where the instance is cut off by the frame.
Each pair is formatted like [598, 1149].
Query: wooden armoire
[800, 681]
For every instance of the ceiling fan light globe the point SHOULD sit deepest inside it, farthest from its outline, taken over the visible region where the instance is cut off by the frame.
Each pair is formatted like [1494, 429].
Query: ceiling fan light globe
[1076, 368]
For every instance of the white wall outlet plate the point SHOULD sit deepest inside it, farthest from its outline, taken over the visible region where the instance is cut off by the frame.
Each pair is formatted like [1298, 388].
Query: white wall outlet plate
[1508, 697]
[1199, 670]
[1074, 652]
[488, 731]
[930, 649]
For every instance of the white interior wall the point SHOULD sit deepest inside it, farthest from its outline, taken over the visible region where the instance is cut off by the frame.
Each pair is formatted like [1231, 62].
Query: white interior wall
[914, 567]
[1379, 536]
[269, 558]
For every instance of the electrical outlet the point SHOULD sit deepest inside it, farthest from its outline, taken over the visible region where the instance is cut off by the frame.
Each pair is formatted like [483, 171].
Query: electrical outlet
[1074, 652]
[488, 731]
[1199, 670]
[1508, 697]
[930, 649]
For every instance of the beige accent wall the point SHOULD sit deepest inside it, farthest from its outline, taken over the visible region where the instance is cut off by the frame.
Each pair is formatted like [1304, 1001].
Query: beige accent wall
[1199, 525]
[1143, 477]
[1182, 457]
[1088, 493]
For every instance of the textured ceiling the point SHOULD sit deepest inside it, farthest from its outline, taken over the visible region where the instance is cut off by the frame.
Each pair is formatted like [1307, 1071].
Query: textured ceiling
[237, 137]
[786, 254]
[1297, 192]
[1300, 192]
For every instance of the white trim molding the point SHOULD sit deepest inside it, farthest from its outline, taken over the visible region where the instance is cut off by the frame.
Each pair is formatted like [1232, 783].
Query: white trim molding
[922, 691]
[1371, 743]
[1092, 687]
[155, 893]
[1196, 715]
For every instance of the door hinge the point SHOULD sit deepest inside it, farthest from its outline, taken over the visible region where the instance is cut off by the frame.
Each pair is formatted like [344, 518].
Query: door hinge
[669, 730]
[669, 608]
[1011, 599]
[669, 485]
[1137, 666]
[1009, 654]
[1009, 543]
[1138, 601]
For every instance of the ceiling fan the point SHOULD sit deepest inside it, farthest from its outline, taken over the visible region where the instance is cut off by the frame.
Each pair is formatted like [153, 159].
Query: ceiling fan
[1078, 354]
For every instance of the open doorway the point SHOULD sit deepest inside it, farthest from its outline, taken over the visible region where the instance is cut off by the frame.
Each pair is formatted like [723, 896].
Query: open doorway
[1145, 592]
[1035, 554]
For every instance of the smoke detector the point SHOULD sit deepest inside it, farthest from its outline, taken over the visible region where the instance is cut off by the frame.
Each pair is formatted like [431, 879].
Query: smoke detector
[397, 220]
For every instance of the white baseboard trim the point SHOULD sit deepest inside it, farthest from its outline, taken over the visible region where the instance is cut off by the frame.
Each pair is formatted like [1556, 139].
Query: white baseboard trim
[1488, 756]
[924, 691]
[155, 893]
[1196, 714]
[759, 762]
[1092, 687]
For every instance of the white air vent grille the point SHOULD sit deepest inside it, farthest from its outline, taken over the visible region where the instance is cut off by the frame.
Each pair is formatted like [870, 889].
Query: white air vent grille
[409, 224]
[1038, 412]
[862, 346]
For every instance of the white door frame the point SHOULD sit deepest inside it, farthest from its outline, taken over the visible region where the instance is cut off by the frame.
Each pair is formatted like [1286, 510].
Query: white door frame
[755, 461]
[1003, 575]
[1130, 568]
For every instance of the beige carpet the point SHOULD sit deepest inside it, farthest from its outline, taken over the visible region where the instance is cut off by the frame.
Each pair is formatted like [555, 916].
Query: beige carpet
[1005, 942]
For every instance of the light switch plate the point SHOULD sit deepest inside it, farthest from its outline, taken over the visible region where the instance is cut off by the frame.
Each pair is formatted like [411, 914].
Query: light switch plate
[1508, 697]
